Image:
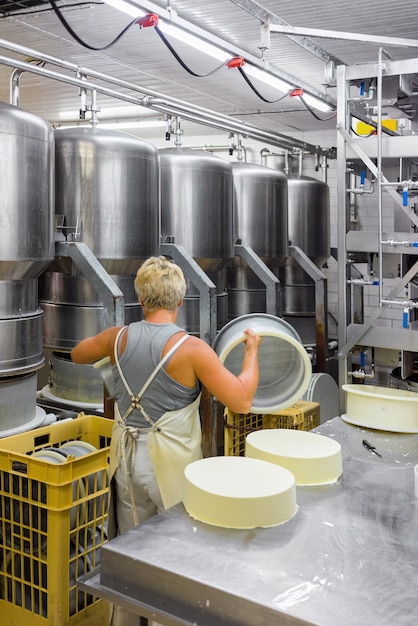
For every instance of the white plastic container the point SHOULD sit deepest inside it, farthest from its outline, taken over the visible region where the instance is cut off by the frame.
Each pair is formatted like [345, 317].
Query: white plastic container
[382, 408]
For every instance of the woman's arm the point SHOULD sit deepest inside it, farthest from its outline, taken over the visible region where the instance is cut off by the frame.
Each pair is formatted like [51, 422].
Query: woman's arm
[235, 392]
[95, 348]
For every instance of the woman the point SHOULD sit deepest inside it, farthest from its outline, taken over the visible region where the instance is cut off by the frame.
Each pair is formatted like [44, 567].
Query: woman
[159, 371]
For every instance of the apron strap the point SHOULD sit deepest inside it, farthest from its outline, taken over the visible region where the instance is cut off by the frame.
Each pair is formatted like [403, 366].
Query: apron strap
[160, 364]
[136, 399]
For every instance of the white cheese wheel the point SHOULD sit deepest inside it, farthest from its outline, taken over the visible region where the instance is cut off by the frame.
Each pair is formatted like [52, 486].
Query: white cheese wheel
[236, 492]
[313, 459]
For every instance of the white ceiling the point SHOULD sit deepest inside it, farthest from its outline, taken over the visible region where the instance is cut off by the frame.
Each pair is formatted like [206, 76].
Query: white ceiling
[140, 57]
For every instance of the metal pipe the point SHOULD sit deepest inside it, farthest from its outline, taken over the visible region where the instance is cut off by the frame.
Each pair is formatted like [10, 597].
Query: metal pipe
[379, 170]
[70, 80]
[408, 304]
[363, 98]
[300, 161]
[15, 87]
[217, 120]
[265, 152]
[207, 148]
[171, 105]
[406, 243]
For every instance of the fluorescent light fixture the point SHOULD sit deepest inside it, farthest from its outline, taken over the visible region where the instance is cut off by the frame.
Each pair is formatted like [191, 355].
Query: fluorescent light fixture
[173, 31]
[315, 103]
[190, 40]
[168, 28]
[127, 8]
[266, 78]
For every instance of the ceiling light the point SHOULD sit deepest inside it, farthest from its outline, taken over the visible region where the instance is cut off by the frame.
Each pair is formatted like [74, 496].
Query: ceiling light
[127, 8]
[316, 103]
[195, 42]
[268, 79]
[173, 31]
[168, 28]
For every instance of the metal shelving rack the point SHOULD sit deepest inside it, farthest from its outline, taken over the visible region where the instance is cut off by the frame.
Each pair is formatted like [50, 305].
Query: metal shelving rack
[371, 152]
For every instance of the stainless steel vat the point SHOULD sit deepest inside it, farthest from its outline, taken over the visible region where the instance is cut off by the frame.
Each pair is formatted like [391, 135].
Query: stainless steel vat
[27, 230]
[20, 327]
[72, 308]
[196, 209]
[308, 217]
[26, 194]
[260, 222]
[18, 410]
[309, 229]
[196, 204]
[107, 197]
[107, 192]
[260, 211]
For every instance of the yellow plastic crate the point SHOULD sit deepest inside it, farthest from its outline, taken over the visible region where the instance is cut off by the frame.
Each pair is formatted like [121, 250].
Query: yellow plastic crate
[300, 416]
[53, 522]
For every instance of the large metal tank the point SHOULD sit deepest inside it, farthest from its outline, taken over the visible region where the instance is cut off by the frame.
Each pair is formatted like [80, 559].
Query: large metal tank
[107, 196]
[260, 222]
[27, 231]
[196, 209]
[309, 229]
[26, 199]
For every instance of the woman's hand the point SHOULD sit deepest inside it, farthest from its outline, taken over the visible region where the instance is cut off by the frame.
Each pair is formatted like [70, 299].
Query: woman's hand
[252, 341]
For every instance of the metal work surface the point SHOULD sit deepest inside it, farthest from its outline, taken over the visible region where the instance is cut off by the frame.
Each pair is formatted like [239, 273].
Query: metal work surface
[348, 557]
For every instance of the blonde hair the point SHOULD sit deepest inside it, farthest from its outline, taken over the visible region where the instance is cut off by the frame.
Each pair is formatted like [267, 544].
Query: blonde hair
[160, 284]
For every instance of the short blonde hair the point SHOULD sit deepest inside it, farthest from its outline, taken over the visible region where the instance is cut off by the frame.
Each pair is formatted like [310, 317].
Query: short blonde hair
[160, 284]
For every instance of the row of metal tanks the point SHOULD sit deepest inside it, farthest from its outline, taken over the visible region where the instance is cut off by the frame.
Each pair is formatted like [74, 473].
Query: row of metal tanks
[122, 197]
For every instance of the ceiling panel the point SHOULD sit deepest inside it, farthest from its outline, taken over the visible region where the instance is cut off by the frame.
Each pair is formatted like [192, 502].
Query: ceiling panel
[141, 58]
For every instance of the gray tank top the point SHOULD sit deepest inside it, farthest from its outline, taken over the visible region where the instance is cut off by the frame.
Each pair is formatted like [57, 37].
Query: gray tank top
[142, 354]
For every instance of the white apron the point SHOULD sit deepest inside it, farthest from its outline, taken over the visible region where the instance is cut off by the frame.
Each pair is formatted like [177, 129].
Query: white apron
[174, 441]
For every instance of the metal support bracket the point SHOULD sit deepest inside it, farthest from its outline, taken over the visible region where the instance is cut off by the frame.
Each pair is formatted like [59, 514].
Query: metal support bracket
[321, 305]
[206, 288]
[272, 283]
[99, 279]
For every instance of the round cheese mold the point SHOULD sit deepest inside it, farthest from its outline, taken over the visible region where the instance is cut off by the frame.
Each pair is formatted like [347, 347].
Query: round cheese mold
[313, 459]
[382, 408]
[237, 492]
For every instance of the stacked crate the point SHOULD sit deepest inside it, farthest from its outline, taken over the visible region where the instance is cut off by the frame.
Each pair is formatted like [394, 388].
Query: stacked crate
[53, 522]
[300, 416]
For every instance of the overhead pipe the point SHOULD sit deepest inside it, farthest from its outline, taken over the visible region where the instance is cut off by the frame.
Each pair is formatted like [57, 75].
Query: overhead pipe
[228, 149]
[222, 122]
[188, 111]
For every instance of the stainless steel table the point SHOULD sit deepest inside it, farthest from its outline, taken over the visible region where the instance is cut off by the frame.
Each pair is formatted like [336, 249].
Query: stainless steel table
[348, 557]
